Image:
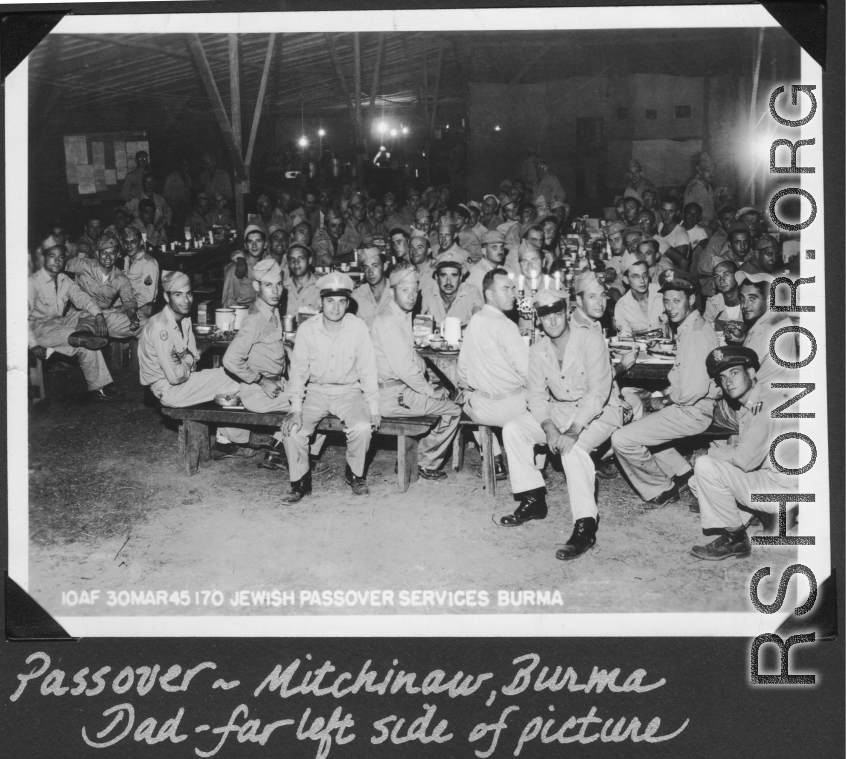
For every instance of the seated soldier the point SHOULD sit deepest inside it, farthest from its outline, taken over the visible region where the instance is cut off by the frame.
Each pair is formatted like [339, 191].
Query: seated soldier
[73, 334]
[642, 308]
[301, 289]
[357, 223]
[403, 387]
[685, 410]
[163, 214]
[760, 327]
[767, 257]
[86, 245]
[120, 221]
[142, 271]
[493, 362]
[107, 285]
[334, 244]
[725, 305]
[146, 224]
[466, 239]
[452, 297]
[333, 371]
[447, 244]
[421, 260]
[737, 468]
[256, 357]
[268, 215]
[374, 291]
[168, 356]
[648, 250]
[239, 291]
[493, 255]
[278, 248]
[399, 238]
[219, 212]
[200, 221]
[301, 233]
[573, 408]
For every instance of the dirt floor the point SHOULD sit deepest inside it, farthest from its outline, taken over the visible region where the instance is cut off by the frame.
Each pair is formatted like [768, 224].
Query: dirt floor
[111, 509]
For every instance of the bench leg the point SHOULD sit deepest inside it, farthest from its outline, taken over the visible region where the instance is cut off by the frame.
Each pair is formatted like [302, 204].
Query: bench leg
[36, 379]
[193, 446]
[407, 461]
[459, 450]
[485, 436]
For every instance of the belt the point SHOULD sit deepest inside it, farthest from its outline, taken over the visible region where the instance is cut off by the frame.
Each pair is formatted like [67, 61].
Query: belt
[391, 383]
[274, 377]
[501, 396]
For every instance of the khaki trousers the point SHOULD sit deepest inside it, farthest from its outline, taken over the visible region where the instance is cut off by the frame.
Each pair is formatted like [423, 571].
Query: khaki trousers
[200, 387]
[347, 402]
[719, 484]
[651, 473]
[520, 435]
[433, 448]
[54, 334]
[494, 413]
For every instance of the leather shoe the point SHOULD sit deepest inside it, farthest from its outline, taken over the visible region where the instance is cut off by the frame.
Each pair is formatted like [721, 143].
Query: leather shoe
[533, 505]
[606, 470]
[501, 471]
[730, 544]
[231, 451]
[274, 460]
[87, 340]
[582, 538]
[693, 504]
[432, 474]
[318, 467]
[107, 393]
[299, 490]
[671, 495]
[357, 484]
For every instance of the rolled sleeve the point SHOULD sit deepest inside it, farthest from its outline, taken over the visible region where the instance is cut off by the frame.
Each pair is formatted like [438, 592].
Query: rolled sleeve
[176, 374]
[82, 300]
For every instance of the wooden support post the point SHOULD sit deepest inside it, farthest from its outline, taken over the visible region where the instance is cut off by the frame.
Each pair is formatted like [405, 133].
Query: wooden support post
[437, 86]
[375, 84]
[459, 449]
[193, 445]
[235, 108]
[425, 72]
[196, 47]
[339, 72]
[263, 85]
[357, 86]
[407, 461]
[488, 479]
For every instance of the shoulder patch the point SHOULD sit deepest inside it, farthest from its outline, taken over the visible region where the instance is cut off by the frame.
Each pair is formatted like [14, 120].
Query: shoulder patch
[163, 335]
[148, 281]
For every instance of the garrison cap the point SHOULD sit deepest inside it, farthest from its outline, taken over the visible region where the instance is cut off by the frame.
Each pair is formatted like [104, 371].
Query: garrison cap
[276, 228]
[446, 227]
[767, 241]
[677, 279]
[585, 280]
[526, 248]
[504, 228]
[557, 204]
[628, 259]
[265, 268]
[505, 185]
[52, 242]
[253, 228]
[492, 237]
[106, 242]
[173, 280]
[729, 356]
[550, 301]
[493, 197]
[356, 200]
[421, 213]
[740, 276]
[261, 198]
[449, 260]
[738, 226]
[370, 254]
[403, 275]
[335, 283]
[541, 201]
[615, 227]
[413, 192]
[474, 204]
[747, 209]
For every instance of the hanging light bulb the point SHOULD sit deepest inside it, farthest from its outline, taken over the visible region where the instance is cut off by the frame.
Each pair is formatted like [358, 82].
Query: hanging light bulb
[321, 132]
[393, 132]
[303, 142]
[497, 128]
[405, 130]
[382, 126]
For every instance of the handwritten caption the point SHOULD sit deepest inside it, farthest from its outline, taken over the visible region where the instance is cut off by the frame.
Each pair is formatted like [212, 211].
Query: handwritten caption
[509, 728]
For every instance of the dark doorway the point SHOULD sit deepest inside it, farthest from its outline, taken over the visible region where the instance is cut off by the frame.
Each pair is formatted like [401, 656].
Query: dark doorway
[590, 166]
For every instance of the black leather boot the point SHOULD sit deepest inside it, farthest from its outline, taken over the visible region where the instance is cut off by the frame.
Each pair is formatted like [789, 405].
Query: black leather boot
[533, 505]
[582, 538]
[733, 543]
[357, 484]
[501, 471]
[299, 489]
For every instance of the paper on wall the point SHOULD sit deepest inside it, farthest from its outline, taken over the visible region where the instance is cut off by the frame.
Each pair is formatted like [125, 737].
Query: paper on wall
[110, 176]
[85, 178]
[98, 153]
[76, 150]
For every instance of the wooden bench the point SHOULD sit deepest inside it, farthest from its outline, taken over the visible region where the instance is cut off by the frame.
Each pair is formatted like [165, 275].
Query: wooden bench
[195, 449]
[486, 435]
[36, 378]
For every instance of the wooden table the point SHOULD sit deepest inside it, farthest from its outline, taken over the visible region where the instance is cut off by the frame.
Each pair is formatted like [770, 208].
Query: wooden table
[647, 371]
[443, 366]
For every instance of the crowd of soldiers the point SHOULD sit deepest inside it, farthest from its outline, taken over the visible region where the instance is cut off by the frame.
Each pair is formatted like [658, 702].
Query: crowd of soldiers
[681, 263]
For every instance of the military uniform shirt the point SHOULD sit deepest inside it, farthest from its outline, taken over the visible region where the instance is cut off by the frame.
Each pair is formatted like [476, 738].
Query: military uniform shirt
[238, 292]
[345, 357]
[630, 317]
[394, 348]
[163, 210]
[758, 338]
[583, 381]
[308, 296]
[689, 382]
[143, 276]
[257, 348]
[368, 307]
[162, 346]
[104, 292]
[47, 299]
[494, 357]
[467, 302]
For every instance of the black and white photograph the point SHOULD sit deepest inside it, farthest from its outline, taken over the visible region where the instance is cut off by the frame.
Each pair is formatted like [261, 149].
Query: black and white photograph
[417, 323]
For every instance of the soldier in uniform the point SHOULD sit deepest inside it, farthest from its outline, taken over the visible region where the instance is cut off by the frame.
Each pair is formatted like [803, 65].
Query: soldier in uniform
[642, 308]
[301, 289]
[333, 244]
[168, 356]
[493, 256]
[142, 271]
[725, 305]
[238, 291]
[737, 468]
[333, 371]
[51, 329]
[403, 387]
[86, 245]
[572, 408]
[685, 410]
[493, 362]
[99, 279]
[421, 260]
[452, 297]
[465, 237]
[374, 291]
